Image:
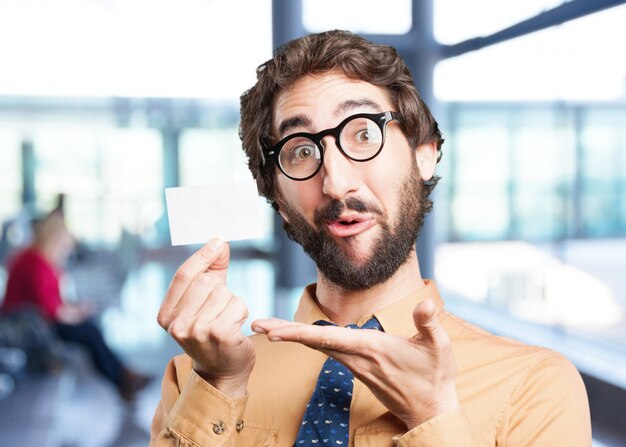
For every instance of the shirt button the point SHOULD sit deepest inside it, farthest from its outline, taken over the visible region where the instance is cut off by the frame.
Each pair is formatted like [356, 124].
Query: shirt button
[218, 428]
[239, 426]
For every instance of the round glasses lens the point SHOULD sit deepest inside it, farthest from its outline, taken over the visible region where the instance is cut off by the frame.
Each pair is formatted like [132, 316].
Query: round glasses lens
[299, 157]
[361, 138]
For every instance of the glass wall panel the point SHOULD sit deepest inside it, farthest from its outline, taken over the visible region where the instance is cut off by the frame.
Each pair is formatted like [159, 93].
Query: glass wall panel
[212, 156]
[479, 176]
[112, 178]
[603, 171]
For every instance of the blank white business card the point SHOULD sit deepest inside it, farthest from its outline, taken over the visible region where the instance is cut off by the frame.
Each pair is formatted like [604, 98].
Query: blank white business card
[229, 211]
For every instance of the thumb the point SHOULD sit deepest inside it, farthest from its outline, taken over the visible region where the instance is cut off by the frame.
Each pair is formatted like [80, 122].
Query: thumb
[221, 257]
[426, 323]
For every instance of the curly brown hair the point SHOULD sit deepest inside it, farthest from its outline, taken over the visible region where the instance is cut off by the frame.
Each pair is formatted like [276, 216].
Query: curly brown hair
[357, 58]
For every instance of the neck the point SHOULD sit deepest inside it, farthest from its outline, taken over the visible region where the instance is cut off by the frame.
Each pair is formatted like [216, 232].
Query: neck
[348, 306]
[48, 252]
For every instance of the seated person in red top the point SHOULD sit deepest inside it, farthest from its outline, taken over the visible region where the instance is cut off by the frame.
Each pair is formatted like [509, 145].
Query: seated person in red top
[33, 283]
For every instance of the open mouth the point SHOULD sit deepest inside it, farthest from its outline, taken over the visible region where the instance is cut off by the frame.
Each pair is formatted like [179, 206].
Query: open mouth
[348, 222]
[349, 225]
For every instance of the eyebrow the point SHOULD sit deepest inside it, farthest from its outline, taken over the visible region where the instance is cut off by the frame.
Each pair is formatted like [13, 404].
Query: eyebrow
[352, 104]
[296, 121]
[345, 106]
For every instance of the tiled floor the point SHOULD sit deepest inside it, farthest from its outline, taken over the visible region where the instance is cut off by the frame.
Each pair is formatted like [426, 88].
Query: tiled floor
[27, 415]
[74, 408]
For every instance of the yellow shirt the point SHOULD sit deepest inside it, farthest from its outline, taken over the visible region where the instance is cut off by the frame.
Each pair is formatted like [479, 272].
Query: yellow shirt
[511, 394]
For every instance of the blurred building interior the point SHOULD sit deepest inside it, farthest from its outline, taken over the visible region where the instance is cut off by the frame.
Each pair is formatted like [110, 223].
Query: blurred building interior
[110, 102]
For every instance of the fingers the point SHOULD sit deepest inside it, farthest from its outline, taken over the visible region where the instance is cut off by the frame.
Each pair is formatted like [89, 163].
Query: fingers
[328, 339]
[220, 325]
[212, 257]
[263, 326]
[425, 317]
[218, 320]
[232, 317]
[206, 296]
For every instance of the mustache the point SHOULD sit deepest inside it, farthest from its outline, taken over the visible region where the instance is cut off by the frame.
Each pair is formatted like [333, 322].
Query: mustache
[335, 208]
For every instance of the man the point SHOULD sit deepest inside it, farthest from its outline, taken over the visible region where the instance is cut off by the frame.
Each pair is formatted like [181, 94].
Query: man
[340, 143]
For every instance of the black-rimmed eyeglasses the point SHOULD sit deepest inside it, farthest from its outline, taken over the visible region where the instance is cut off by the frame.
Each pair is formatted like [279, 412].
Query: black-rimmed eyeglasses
[359, 137]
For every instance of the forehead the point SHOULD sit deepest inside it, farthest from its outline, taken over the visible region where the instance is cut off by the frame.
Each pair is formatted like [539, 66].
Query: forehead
[323, 98]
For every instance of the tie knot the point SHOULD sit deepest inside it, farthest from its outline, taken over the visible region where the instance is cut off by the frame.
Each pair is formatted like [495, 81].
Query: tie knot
[372, 323]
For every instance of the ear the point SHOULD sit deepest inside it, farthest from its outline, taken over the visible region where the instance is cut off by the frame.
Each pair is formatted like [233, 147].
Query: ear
[426, 157]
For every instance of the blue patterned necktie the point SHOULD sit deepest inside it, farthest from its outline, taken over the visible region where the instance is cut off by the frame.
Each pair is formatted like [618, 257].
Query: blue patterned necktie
[327, 415]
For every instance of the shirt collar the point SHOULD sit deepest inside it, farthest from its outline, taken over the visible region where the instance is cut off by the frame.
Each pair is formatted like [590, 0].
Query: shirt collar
[396, 319]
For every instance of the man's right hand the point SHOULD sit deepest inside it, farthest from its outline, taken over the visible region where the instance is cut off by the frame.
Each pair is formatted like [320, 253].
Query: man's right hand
[205, 319]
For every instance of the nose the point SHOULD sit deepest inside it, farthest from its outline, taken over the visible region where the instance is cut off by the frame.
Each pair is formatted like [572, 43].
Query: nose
[338, 171]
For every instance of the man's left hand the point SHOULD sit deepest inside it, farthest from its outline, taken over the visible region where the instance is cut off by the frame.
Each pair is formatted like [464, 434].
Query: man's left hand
[413, 377]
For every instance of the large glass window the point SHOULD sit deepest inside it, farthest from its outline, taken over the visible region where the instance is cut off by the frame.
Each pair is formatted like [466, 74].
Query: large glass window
[480, 167]
[212, 156]
[538, 173]
[535, 177]
[542, 172]
[131, 167]
[603, 171]
[112, 178]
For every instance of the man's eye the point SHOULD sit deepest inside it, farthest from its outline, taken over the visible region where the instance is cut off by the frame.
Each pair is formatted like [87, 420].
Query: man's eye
[301, 153]
[367, 135]
[362, 136]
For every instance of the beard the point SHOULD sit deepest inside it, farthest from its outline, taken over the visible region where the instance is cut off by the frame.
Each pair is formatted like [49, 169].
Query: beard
[390, 250]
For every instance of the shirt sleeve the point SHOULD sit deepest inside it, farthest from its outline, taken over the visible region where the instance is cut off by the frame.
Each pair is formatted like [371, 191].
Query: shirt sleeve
[192, 413]
[548, 407]
[452, 428]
